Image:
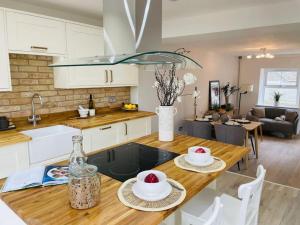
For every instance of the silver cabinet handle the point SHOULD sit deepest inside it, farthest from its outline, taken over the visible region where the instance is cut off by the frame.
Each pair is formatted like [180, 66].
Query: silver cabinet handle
[106, 76]
[111, 76]
[105, 128]
[126, 129]
[39, 48]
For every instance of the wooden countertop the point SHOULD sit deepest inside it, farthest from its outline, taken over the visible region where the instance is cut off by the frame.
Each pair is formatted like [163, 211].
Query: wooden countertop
[68, 119]
[101, 120]
[50, 205]
[12, 137]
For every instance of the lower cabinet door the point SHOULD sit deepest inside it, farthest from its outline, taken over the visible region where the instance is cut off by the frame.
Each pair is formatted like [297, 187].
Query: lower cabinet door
[13, 158]
[137, 128]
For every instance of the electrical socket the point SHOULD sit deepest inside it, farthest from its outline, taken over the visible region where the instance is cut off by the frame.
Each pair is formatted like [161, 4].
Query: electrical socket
[112, 99]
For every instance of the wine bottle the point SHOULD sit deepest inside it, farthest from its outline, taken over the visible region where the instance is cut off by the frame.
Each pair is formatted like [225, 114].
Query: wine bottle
[91, 102]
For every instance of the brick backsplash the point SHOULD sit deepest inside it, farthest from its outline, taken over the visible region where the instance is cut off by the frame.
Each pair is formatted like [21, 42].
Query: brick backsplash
[30, 74]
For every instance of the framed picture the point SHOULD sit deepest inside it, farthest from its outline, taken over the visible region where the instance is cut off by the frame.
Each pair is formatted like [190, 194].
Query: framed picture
[214, 94]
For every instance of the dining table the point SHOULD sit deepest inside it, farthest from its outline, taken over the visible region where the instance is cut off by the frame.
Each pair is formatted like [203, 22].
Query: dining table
[251, 126]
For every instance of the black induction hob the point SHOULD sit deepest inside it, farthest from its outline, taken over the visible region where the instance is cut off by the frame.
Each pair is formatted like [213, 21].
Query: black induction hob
[126, 161]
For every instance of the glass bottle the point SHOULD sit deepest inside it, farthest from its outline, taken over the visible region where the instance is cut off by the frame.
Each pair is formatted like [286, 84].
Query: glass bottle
[91, 102]
[77, 157]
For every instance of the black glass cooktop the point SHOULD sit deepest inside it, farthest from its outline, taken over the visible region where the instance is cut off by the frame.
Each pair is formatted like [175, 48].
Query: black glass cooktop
[126, 161]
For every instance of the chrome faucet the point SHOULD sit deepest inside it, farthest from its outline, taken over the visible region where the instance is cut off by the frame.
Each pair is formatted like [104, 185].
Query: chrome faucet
[34, 118]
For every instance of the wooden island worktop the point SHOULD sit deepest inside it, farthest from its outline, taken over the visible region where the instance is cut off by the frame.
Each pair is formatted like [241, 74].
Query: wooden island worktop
[50, 205]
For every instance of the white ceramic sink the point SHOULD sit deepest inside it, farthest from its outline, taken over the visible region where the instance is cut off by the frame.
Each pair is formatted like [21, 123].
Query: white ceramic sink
[50, 142]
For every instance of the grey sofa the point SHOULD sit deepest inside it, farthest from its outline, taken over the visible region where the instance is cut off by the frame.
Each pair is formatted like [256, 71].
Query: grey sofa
[267, 115]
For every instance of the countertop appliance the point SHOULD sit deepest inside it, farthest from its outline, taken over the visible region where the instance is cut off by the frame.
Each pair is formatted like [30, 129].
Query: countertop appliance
[126, 161]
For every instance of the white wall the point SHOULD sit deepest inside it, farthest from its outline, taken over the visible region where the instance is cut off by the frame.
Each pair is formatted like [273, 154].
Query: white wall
[250, 74]
[215, 67]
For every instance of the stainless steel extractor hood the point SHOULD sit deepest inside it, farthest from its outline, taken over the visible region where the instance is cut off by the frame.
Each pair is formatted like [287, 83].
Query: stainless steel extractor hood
[132, 34]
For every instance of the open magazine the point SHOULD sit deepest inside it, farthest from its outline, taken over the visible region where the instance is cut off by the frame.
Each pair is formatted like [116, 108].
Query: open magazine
[37, 176]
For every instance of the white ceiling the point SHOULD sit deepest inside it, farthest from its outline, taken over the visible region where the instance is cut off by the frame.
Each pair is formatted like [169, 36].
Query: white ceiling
[282, 39]
[87, 8]
[185, 8]
[171, 8]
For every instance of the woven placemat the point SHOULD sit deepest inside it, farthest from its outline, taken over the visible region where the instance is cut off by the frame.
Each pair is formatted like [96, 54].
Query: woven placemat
[127, 197]
[216, 166]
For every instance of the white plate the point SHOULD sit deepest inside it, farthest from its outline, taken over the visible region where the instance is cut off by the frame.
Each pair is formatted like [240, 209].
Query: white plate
[192, 162]
[139, 193]
[203, 119]
[242, 121]
[232, 123]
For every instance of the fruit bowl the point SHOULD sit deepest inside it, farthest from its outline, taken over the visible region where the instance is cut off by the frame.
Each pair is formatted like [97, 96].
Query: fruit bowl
[199, 154]
[153, 186]
[130, 107]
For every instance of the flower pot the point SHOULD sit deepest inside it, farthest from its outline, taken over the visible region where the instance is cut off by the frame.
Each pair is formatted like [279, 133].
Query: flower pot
[276, 103]
[166, 122]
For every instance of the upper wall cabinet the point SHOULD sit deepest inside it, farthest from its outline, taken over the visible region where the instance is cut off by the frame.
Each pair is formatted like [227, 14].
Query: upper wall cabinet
[35, 35]
[123, 75]
[82, 41]
[87, 41]
[5, 83]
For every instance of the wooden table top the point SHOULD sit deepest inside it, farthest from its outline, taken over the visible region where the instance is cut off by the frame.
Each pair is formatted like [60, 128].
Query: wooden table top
[12, 137]
[248, 126]
[50, 205]
[251, 126]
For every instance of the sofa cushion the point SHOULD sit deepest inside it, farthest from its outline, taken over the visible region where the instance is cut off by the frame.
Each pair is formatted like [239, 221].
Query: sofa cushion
[258, 112]
[291, 115]
[272, 113]
[285, 127]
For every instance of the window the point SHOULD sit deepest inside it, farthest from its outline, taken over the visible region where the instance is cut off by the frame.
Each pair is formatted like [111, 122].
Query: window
[284, 81]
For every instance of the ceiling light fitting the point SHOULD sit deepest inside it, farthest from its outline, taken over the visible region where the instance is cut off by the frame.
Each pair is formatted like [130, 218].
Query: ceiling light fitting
[262, 55]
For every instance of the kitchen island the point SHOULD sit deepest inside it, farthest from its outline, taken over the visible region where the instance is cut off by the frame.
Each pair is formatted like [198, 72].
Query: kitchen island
[50, 205]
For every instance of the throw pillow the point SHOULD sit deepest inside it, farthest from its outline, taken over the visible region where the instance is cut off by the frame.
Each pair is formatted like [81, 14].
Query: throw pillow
[280, 118]
[290, 115]
[259, 112]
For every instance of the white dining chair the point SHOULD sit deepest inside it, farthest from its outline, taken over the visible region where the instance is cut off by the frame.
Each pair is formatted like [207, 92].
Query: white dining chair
[241, 211]
[211, 216]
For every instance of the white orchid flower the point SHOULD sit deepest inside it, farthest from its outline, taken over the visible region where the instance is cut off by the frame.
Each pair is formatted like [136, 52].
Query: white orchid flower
[156, 84]
[179, 99]
[189, 78]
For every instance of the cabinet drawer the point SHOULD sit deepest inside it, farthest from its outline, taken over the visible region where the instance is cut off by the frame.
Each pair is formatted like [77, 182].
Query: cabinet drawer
[100, 137]
[33, 34]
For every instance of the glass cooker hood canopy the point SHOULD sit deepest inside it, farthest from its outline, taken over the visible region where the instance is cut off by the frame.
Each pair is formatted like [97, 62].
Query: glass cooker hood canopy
[145, 58]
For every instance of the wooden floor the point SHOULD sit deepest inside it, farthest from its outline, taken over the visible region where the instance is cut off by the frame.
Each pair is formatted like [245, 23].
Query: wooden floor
[280, 205]
[280, 157]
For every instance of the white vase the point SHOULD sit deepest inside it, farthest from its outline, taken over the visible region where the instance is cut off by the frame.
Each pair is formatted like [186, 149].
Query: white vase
[166, 122]
[276, 104]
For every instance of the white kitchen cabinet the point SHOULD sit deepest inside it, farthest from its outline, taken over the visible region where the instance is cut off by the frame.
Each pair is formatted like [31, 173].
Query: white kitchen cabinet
[97, 138]
[13, 158]
[100, 137]
[82, 41]
[5, 81]
[133, 129]
[31, 34]
[123, 75]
